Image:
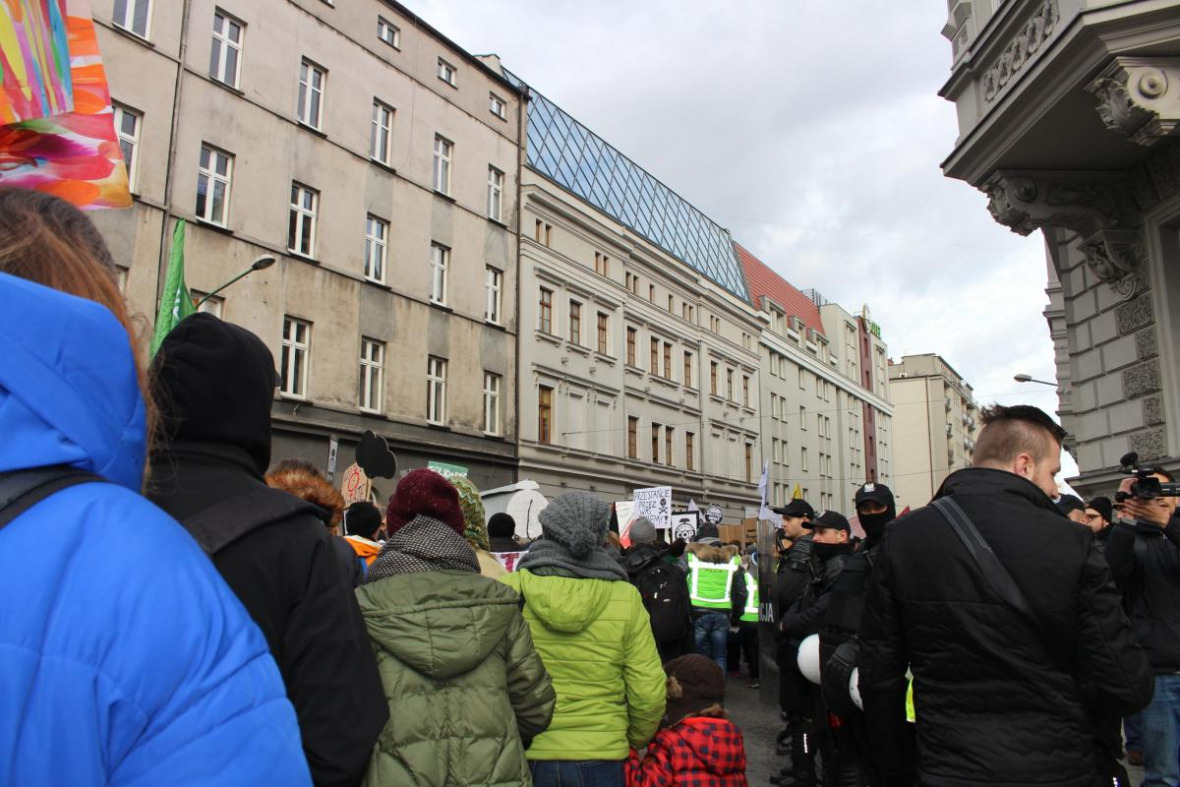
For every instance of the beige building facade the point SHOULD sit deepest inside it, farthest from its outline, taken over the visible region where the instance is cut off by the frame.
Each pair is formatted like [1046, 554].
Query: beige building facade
[1067, 114]
[937, 419]
[379, 164]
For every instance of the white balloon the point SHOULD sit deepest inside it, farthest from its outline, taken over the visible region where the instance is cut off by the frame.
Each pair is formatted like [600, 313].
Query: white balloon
[808, 658]
[854, 688]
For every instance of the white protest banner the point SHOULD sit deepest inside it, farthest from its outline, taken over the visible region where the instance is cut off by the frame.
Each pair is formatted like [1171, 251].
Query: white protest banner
[655, 503]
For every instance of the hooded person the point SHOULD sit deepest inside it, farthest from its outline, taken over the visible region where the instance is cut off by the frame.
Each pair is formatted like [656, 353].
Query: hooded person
[502, 534]
[659, 572]
[592, 632]
[699, 745]
[475, 527]
[466, 689]
[361, 522]
[716, 591]
[303, 479]
[215, 384]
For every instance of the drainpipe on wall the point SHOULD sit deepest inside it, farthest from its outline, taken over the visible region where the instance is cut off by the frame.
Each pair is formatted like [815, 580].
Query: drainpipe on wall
[522, 141]
[161, 262]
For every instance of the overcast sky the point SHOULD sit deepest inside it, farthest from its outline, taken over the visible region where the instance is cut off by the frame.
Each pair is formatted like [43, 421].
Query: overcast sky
[813, 131]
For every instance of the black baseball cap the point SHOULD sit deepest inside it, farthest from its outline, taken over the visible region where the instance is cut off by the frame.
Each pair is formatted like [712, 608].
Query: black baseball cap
[1068, 503]
[796, 508]
[877, 493]
[829, 519]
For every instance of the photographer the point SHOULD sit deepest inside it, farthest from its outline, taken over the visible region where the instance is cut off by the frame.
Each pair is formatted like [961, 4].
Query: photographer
[1144, 555]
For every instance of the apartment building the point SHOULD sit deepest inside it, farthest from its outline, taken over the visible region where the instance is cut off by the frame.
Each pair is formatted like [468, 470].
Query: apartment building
[1102, 76]
[379, 163]
[826, 416]
[936, 419]
[638, 346]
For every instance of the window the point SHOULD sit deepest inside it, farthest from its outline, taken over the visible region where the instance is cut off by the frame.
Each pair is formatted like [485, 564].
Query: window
[436, 390]
[545, 312]
[602, 264]
[632, 437]
[213, 181]
[729, 384]
[311, 94]
[443, 150]
[603, 333]
[651, 293]
[803, 418]
[497, 106]
[667, 361]
[389, 32]
[688, 369]
[370, 390]
[301, 230]
[440, 261]
[544, 232]
[632, 340]
[671, 303]
[802, 380]
[819, 387]
[654, 367]
[655, 444]
[713, 377]
[381, 133]
[447, 73]
[491, 403]
[495, 194]
[544, 414]
[632, 283]
[689, 449]
[714, 324]
[668, 437]
[207, 305]
[296, 351]
[746, 390]
[575, 335]
[494, 284]
[133, 15]
[749, 463]
[121, 279]
[376, 244]
[803, 459]
[225, 58]
[127, 129]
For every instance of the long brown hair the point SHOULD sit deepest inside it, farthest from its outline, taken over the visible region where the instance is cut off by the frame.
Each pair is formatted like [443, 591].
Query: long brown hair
[47, 240]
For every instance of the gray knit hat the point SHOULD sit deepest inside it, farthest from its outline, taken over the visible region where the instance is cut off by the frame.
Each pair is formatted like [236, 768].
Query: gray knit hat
[577, 521]
[643, 531]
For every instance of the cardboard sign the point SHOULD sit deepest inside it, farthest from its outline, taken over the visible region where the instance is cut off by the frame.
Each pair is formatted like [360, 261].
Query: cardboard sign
[508, 559]
[655, 503]
[355, 485]
[684, 525]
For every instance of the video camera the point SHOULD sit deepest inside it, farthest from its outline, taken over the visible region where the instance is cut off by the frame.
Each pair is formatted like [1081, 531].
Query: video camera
[1146, 487]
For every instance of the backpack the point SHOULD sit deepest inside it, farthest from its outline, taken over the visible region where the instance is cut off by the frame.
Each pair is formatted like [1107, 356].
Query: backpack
[20, 490]
[664, 590]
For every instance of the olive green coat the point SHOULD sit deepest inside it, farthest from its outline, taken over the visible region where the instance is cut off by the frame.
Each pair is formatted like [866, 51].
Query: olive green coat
[595, 639]
[462, 679]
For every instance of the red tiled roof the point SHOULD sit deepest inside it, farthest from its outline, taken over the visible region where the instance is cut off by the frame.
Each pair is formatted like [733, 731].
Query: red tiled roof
[763, 281]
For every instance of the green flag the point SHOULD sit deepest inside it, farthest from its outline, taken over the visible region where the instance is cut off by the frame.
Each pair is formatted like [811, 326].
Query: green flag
[175, 301]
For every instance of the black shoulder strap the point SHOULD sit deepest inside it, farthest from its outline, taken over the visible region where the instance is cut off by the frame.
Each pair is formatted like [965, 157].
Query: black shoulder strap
[224, 522]
[993, 570]
[20, 490]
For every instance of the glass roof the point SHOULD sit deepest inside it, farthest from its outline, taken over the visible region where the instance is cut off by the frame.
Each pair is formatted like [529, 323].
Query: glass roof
[565, 151]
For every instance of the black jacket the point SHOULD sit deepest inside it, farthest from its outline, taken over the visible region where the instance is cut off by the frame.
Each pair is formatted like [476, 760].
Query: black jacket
[793, 575]
[1000, 701]
[807, 613]
[1146, 563]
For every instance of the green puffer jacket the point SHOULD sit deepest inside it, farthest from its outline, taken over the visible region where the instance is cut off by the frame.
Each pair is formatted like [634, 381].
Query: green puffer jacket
[458, 666]
[595, 639]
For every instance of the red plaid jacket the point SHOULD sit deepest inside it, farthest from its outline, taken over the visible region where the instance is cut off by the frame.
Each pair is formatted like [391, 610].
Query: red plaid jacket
[697, 752]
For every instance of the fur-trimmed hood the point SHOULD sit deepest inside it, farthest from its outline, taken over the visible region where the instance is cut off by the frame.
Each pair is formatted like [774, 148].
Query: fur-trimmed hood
[310, 487]
[713, 554]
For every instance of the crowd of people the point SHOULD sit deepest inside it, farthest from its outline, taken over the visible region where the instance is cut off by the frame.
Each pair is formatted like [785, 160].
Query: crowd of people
[178, 614]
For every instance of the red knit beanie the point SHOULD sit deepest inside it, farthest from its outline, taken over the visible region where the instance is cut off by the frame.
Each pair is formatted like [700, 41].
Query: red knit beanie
[426, 493]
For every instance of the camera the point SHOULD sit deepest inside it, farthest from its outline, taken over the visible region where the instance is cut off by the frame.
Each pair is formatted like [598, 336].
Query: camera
[1146, 486]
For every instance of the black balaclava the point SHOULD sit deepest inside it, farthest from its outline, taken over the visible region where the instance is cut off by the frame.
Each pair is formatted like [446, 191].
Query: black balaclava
[874, 524]
[826, 552]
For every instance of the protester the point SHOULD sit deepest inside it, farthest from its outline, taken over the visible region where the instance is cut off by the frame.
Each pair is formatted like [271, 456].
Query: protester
[717, 594]
[502, 534]
[1073, 508]
[361, 523]
[1099, 514]
[476, 530]
[1144, 553]
[125, 658]
[466, 689]
[699, 746]
[303, 479]
[215, 382]
[999, 692]
[852, 762]
[744, 642]
[807, 715]
[657, 571]
[593, 635]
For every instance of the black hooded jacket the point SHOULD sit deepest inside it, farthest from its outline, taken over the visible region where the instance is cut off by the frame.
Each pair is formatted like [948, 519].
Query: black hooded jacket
[1000, 701]
[214, 384]
[1145, 560]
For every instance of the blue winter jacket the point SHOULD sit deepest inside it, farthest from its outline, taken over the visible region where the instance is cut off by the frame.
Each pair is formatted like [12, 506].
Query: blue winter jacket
[124, 657]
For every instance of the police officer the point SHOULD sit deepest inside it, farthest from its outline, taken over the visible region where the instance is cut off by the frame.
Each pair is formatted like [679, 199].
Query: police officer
[792, 573]
[851, 762]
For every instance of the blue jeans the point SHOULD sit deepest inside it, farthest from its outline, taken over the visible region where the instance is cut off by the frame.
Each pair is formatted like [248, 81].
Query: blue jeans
[712, 633]
[1133, 732]
[572, 773]
[1161, 734]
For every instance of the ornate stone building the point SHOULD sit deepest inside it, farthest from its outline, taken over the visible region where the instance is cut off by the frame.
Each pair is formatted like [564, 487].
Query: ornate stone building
[1067, 113]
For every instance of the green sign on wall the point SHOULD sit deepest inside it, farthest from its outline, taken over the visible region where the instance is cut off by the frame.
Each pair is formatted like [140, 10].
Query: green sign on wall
[446, 470]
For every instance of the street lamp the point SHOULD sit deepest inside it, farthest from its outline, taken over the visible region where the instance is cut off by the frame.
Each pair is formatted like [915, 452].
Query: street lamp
[1028, 378]
[264, 261]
